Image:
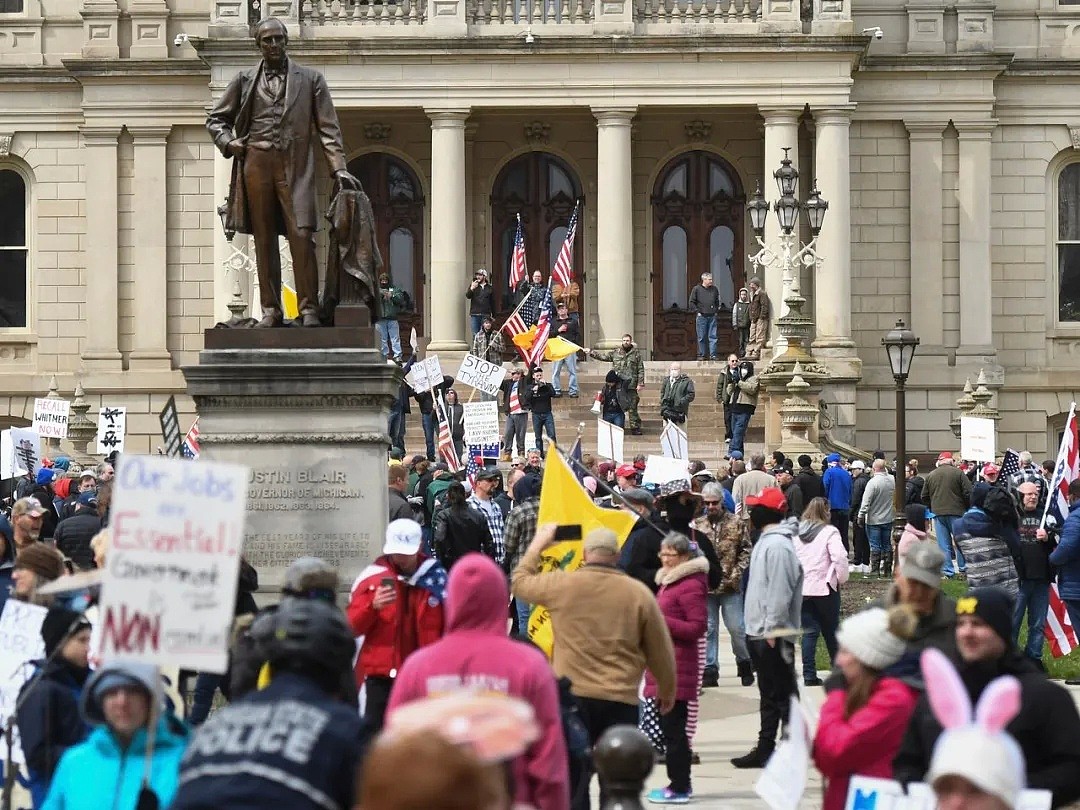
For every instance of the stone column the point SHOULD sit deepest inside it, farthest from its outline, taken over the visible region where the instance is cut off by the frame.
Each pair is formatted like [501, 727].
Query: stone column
[976, 335]
[149, 348]
[832, 285]
[614, 226]
[927, 284]
[101, 348]
[449, 274]
[781, 131]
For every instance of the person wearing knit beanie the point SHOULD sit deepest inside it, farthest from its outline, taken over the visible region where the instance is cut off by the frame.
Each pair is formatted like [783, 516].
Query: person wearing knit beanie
[861, 727]
[34, 566]
[993, 606]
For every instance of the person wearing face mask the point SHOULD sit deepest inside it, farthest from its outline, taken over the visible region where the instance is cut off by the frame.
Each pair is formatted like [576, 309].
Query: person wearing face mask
[740, 397]
[730, 373]
[676, 394]
[627, 363]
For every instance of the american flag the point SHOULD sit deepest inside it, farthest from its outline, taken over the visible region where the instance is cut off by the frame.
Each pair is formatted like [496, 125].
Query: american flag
[446, 441]
[543, 329]
[563, 271]
[476, 462]
[1058, 629]
[190, 447]
[514, 326]
[518, 269]
[1010, 464]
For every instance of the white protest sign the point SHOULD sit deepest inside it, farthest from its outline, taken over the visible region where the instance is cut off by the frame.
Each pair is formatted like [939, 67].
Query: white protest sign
[673, 441]
[170, 579]
[25, 452]
[481, 375]
[867, 793]
[111, 427]
[51, 417]
[426, 374]
[609, 441]
[977, 439]
[20, 643]
[783, 782]
[8, 462]
[661, 469]
[481, 422]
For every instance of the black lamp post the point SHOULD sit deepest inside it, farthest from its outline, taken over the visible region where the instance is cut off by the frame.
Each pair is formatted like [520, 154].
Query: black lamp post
[900, 343]
[758, 208]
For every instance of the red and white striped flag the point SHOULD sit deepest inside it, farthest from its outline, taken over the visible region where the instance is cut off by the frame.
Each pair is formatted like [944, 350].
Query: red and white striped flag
[518, 269]
[446, 440]
[543, 329]
[1058, 629]
[563, 271]
[514, 326]
[190, 447]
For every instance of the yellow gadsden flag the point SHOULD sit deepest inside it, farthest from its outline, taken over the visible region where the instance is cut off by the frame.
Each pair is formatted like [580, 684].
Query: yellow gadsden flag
[563, 500]
[557, 348]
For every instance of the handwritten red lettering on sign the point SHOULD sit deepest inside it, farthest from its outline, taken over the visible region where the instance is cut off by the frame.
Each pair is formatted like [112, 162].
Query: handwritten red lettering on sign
[181, 538]
[131, 631]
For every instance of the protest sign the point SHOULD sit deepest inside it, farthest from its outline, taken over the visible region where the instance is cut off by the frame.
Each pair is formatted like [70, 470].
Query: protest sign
[673, 441]
[609, 441]
[51, 417]
[481, 422]
[20, 452]
[977, 441]
[868, 793]
[170, 428]
[111, 427]
[20, 643]
[481, 375]
[8, 463]
[783, 782]
[426, 373]
[170, 576]
[661, 469]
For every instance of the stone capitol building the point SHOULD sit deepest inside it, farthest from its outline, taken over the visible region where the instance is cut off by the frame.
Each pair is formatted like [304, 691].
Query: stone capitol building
[945, 135]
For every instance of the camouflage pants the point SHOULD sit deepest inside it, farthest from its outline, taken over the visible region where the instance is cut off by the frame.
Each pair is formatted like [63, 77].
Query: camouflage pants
[630, 405]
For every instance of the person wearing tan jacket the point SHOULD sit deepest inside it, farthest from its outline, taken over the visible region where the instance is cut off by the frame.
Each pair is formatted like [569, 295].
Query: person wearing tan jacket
[607, 626]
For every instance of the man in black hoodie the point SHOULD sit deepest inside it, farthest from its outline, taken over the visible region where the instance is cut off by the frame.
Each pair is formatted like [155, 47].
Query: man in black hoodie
[539, 395]
[1047, 727]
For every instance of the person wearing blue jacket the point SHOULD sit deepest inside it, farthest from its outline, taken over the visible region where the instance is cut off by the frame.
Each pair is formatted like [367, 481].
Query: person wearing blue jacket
[106, 771]
[1066, 557]
[837, 484]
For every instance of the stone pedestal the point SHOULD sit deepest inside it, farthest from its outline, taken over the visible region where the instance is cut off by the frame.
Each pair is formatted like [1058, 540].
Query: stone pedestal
[311, 425]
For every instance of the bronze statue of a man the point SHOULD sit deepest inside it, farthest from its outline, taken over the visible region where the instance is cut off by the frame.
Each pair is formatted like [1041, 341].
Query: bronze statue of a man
[270, 120]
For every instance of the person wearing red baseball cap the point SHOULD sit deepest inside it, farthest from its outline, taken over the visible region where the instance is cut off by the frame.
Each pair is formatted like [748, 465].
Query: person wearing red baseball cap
[947, 491]
[772, 613]
[626, 477]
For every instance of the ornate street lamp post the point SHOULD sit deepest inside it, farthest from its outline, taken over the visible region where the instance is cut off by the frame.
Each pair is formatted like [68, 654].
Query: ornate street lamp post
[788, 257]
[900, 343]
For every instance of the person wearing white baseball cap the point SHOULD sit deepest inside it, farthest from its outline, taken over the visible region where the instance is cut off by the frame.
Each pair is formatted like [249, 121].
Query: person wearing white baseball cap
[396, 604]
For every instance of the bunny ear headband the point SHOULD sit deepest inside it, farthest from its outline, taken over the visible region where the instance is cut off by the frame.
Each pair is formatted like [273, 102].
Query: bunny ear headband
[997, 706]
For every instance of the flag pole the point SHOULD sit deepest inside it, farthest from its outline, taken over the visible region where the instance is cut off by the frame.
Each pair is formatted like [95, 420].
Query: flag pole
[1055, 482]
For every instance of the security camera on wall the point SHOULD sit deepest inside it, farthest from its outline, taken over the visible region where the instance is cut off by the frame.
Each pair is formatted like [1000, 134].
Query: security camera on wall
[180, 39]
[875, 32]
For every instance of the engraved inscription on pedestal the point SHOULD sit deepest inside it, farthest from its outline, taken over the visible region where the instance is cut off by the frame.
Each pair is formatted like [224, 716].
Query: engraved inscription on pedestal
[295, 510]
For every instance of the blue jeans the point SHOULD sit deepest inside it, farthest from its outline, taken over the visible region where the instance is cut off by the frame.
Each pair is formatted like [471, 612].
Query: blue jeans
[706, 335]
[943, 527]
[820, 617]
[396, 428]
[1035, 596]
[880, 537]
[523, 609]
[206, 684]
[570, 364]
[389, 331]
[616, 418]
[477, 322]
[540, 422]
[740, 421]
[431, 428]
[730, 607]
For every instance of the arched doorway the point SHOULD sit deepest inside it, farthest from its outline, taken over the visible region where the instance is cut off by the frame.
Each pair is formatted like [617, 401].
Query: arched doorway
[543, 189]
[697, 206]
[398, 203]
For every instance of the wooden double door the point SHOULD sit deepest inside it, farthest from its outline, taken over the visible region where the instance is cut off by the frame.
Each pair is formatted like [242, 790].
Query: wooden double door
[697, 219]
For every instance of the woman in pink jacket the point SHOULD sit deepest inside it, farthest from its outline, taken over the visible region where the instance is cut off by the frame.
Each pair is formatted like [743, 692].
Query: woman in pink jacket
[475, 655]
[861, 727]
[825, 568]
[684, 587]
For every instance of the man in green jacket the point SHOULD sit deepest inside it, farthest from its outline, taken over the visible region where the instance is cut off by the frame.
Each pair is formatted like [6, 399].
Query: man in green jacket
[627, 363]
[395, 301]
[947, 491]
[676, 395]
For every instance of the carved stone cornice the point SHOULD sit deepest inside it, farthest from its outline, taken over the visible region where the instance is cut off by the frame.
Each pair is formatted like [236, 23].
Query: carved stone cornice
[273, 402]
[294, 438]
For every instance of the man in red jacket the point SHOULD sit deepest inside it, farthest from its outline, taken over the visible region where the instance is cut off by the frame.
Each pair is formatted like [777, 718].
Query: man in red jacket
[476, 655]
[396, 607]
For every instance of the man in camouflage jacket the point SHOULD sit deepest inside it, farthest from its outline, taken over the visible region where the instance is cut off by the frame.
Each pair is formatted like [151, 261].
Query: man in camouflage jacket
[628, 364]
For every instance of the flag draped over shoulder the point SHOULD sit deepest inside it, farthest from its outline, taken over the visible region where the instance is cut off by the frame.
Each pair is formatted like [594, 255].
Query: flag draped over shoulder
[1058, 629]
[563, 500]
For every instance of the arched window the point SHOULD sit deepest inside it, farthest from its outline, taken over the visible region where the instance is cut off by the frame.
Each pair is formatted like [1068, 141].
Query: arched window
[398, 203]
[1068, 243]
[14, 250]
[697, 227]
[543, 189]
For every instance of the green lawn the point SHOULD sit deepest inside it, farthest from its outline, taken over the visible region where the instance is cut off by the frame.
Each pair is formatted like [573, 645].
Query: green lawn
[1061, 668]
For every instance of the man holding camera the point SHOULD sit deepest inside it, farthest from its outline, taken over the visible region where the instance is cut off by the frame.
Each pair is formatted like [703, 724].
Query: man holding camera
[396, 604]
[481, 297]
